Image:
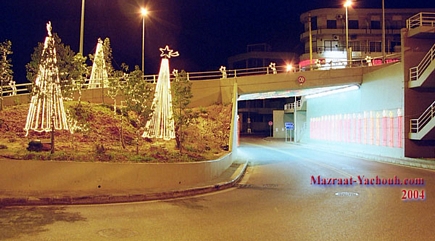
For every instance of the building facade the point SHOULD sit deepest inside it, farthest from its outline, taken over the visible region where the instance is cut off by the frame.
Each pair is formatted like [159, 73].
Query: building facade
[331, 30]
[392, 112]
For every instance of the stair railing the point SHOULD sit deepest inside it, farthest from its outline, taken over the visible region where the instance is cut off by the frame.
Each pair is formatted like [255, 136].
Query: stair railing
[417, 71]
[428, 115]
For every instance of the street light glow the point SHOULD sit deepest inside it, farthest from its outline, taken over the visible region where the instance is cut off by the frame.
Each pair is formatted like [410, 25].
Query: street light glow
[143, 12]
[348, 3]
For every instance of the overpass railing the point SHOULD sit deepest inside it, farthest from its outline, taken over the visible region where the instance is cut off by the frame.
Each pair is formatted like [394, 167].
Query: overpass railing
[210, 75]
[206, 75]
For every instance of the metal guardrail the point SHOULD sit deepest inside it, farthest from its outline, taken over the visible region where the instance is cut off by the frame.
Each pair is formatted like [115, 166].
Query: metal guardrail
[193, 76]
[17, 89]
[421, 19]
[417, 71]
[428, 115]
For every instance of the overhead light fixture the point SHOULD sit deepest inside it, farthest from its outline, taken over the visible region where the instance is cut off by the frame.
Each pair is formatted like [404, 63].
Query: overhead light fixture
[334, 91]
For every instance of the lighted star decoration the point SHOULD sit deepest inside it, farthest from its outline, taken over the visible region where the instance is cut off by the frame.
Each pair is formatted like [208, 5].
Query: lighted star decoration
[49, 28]
[168, 53]
[273, 67]
[223, 70]
[13, 87]
[175, 74]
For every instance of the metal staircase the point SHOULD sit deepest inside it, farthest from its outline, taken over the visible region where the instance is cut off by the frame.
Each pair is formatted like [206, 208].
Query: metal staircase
[424, 124]
[422, 25]
[420, 73]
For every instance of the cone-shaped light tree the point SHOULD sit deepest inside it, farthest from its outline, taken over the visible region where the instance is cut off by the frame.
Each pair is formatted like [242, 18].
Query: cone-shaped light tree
[161, 123]
[99, 77]
[46, 111]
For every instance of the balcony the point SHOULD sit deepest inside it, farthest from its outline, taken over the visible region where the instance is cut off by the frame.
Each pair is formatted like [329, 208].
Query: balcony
[421, 25]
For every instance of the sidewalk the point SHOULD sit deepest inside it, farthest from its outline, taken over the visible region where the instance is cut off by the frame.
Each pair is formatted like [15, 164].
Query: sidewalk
[228, 179]
[404, 161]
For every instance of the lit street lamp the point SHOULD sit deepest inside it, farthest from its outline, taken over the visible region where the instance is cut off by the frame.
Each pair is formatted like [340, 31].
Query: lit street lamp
[347, 4]
[144, 13]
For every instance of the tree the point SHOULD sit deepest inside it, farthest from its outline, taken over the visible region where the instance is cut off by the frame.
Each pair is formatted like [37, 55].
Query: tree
[108, 57]
[6, 73]
[139, 97]
[116, 87]
[79, 74]
[65, 63]
[181, 97]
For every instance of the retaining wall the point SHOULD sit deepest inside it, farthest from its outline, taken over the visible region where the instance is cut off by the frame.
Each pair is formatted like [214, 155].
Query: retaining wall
[57, 176]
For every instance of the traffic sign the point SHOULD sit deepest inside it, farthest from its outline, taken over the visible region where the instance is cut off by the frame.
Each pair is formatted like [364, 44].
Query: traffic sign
[289, 125]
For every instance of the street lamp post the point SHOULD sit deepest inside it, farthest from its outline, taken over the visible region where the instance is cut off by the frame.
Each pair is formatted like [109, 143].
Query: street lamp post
[144, 13]
[347, 4]
[82, 27]
[383, 32]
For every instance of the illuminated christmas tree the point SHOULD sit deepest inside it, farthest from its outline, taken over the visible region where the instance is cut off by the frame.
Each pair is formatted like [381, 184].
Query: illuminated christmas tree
[99, 76]
[46, 111]
[161, 123]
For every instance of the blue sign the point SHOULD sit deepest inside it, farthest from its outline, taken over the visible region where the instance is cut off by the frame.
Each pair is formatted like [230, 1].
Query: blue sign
[289, 125]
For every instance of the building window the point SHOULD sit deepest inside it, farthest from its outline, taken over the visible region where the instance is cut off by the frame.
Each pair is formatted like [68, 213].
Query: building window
[331, 24]
[397, 24]
[375, 47]
[314, 23]
[395, 46]
[353, 24]
[331, 45]
[375, 24]
[355, 45]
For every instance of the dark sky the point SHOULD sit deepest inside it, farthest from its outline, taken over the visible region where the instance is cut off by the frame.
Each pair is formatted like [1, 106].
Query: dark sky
[205, 32]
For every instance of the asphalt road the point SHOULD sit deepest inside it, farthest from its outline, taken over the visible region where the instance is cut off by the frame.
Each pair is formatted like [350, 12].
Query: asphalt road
[279, 198]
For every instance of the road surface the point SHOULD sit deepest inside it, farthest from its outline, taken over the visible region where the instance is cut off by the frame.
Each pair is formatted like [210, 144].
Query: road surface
[288, 193]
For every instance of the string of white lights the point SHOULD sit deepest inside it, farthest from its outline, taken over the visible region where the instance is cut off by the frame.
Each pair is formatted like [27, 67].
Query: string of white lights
[161, 123]
[99, 76]
[46, 110]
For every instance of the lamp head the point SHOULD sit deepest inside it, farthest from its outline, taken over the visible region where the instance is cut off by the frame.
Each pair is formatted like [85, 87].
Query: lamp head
[143, 12]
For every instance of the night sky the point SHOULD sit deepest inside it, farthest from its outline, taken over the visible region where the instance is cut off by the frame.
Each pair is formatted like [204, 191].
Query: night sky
[205, 32]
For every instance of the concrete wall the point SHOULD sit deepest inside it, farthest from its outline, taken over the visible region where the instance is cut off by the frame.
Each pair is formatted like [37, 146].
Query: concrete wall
[365, 120]
[278, 129]
[205, 93]
[37, 176]
[32, 176]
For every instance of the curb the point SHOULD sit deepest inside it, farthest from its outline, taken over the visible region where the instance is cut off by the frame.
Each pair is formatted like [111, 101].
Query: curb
[123, 198]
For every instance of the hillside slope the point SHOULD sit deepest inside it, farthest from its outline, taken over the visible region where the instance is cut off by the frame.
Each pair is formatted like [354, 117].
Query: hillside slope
[99, 137]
